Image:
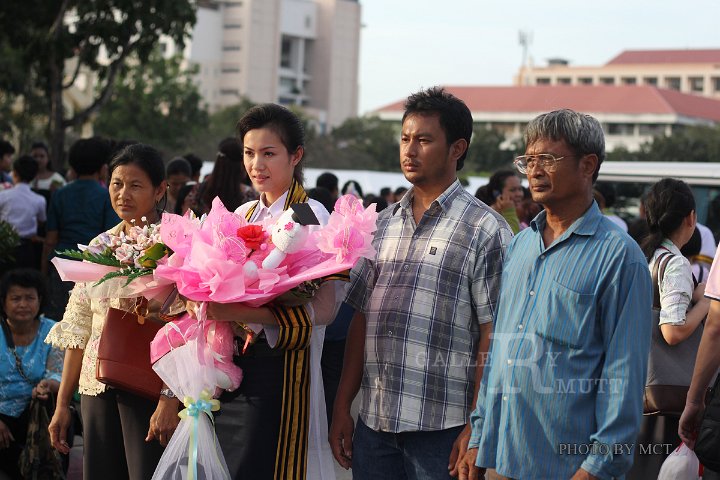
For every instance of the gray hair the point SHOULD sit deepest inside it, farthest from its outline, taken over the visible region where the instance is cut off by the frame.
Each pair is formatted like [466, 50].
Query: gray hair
[583, 133]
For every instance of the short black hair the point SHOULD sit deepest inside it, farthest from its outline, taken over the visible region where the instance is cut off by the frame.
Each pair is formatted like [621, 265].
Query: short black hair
[454, 116]
[26, 168]
[385, 191]
[196, 163]
[5, 148]
[41, 145]
[25, 278]
[145, 157]
[328, 181]
[178, 165]
[88, 155]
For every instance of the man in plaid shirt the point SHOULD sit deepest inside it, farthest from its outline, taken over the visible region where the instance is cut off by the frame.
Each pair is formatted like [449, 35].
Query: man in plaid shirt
[425, 304]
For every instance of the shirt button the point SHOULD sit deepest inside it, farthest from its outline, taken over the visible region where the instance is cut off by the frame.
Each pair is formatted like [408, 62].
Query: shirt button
[532, 292]
[390, 332]
[542, 257]
[520, 327]
[397, 297]
[405, 267]
[509, 362]
[504, 398]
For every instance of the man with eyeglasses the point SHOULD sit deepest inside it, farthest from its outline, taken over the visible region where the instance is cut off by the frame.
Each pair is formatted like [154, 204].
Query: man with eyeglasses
[562, 397]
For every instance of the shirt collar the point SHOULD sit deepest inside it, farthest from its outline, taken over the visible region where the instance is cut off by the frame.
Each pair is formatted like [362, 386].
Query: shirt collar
[22, 186]
[667, 243]
[444, 200]
[587, 224]
[274, 210]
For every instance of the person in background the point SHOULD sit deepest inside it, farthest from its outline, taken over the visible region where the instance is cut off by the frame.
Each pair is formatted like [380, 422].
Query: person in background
[186, 200]
[604, 194]
[118, 426]
[691, 251]
[323, 195]
[504, 194]
[329, 181]
[6, 153]
[26, 212]
[574, 307]
[638, 228]
[380, 203]
[196, 164]
[387, 194]
[351, 187]
[528, 209]
[226, 180]
[178, 173]
[671, 217]
[78, 212]
[47, 179]
[29, 368]
[398, 194]
[429, 294]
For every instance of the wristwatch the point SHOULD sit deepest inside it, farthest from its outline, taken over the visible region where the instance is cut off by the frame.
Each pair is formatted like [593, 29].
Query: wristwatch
[167, 393]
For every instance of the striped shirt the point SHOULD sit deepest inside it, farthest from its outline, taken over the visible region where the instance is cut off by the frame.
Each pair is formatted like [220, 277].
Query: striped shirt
[569, 354]
[424, 297]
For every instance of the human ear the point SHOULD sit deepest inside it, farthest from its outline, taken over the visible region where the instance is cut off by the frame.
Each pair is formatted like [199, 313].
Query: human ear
[457, 148]
[589, 164]
[297, 156]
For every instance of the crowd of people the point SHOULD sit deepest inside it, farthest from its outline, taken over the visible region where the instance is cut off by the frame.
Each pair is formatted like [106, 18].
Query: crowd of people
[511, 334]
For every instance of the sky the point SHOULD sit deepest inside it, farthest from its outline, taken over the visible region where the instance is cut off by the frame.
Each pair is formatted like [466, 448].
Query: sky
[407, 45]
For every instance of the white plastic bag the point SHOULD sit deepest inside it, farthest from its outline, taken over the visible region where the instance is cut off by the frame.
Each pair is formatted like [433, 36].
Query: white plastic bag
[682, 464]
[193, 452]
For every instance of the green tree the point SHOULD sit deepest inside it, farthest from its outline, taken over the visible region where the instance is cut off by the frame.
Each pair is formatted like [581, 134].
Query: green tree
[485, 154]
[99, 35]
[155, 102]
[220, 124]
[687, 144]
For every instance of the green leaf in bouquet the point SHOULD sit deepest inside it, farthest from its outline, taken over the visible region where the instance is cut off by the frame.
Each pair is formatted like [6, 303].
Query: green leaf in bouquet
[99, 258]
[118, 273]
[9, 239]
[137, 274]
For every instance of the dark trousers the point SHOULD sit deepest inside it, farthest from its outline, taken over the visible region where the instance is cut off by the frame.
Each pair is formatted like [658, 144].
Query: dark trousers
[58, 295]
[115, 424]
[248, 423]
[331, 364]
[9, 456]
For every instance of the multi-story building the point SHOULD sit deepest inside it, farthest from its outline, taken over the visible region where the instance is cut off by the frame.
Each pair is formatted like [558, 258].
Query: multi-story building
[294, 52]
[630, 115]
[688, 71]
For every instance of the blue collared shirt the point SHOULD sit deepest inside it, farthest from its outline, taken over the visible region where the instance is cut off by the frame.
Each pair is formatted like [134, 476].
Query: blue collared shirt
[568, 356]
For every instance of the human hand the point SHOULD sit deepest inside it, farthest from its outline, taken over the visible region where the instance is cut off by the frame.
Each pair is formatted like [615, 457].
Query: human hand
[58, 428]
[42, 390]
[690, 423]
[583, 475]
[164, 421]
[504, 201]
[340, 437]
[459, 448]
[466, 468]
[6, 436]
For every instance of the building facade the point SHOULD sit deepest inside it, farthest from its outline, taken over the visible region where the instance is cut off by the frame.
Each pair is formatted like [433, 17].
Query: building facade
[293, 52]
[630, 115]
[688, 71]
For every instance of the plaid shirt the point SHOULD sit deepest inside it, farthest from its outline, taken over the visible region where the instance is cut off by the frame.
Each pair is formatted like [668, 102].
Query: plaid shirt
[424, 297]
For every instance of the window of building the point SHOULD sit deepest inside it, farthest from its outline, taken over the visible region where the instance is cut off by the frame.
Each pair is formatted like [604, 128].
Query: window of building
[716, 84]
[652, 129]
[564, 81]
[628, 80]
[542, 81]
[308, 21]
[230, 69]
[285, 51]
[650, 81]
[232, 25]
[230, 91]
[607, 81]
[585, 81]
[620, 129]
[673, 83]
[697, 84]
[231, 48]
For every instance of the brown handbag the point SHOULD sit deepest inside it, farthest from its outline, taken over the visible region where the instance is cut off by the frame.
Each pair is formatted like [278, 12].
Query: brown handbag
[124, 352]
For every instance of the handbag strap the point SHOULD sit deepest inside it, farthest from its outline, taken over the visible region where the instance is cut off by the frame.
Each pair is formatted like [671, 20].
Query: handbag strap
[658, 274]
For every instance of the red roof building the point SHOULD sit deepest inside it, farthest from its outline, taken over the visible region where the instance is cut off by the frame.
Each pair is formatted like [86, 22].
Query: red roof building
[630, 115]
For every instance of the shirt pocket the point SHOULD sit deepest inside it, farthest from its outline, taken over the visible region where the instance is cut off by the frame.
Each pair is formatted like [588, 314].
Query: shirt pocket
[569, 317]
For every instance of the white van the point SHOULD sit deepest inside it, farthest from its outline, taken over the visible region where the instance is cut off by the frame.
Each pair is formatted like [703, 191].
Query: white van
[632, 179]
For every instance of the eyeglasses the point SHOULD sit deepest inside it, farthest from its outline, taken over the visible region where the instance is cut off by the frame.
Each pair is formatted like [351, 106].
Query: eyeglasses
[547, 161]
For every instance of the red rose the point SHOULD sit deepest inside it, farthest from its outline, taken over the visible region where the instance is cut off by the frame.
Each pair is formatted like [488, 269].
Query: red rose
[252, 235]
